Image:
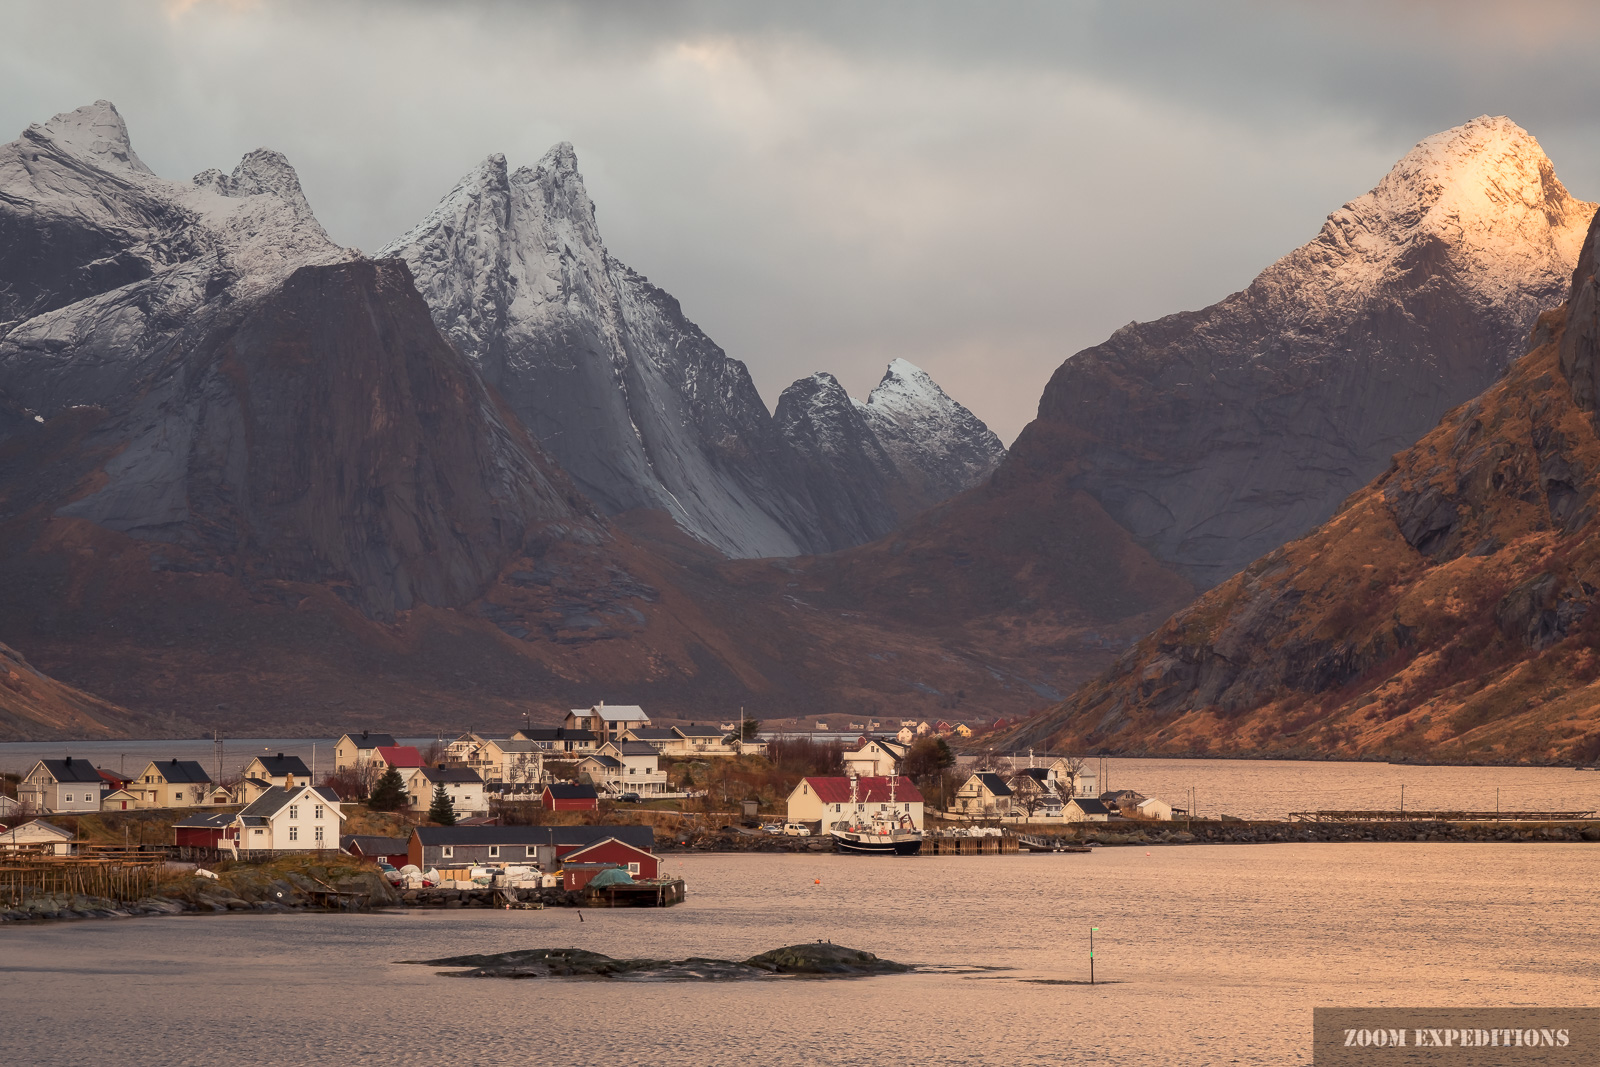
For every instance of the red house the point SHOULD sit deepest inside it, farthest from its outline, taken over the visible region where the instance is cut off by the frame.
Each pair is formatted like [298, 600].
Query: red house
[204, 830]
[581, 864]
[563, 796]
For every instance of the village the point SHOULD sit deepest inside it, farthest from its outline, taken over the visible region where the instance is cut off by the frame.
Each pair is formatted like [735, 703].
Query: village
[592, 801]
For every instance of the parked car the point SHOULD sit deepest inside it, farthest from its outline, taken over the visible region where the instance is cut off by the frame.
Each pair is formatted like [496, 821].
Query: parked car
[627, 798]
[796, 829]
[773, 827]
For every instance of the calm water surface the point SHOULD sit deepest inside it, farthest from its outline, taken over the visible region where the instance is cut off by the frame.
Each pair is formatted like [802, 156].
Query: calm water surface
[1215, 955]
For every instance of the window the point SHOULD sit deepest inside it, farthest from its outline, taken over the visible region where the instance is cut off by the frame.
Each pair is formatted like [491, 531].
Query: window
[258, 833]
[68, 798]
[494, 852]
[294, 833]
[178, 795]
[633, 868]
[532, 851]
[447, 851]
[294, 811]
[319, 835]
[316, 813]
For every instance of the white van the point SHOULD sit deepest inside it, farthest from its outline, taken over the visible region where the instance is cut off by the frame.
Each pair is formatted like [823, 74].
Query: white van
[796, 829]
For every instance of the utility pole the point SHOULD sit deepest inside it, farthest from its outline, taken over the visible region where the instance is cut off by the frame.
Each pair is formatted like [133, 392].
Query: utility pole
[1402, 798]
[1092, 929]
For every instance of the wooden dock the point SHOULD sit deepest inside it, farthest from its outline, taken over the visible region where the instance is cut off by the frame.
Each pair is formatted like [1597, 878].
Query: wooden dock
[935, 844]
[650, 893]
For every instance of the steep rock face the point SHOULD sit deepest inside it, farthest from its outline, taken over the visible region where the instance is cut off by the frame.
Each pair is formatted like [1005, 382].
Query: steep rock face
[632, 399]
[845, 469]
[105, 267]
[869, 467]
[938, 446]
[36, 707]
[1445, 612]
[1215, 436]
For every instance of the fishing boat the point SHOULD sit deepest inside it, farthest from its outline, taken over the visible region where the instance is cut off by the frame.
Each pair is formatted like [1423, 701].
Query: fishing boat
[886, 832]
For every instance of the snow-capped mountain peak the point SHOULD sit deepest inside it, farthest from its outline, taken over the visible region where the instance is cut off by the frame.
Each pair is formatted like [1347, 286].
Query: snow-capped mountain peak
[924, 429]
[94, 132]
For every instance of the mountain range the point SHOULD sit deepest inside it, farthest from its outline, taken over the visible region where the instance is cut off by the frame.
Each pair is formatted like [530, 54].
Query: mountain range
[248, 476]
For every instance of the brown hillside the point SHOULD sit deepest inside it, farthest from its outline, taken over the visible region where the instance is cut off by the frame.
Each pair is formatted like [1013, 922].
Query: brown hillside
[1443, 613]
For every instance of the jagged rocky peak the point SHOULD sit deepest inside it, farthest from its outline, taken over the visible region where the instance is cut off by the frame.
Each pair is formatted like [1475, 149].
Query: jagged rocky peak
[922, 427]
[633, 400]
[260, 171]
[1214, 436]
[873, 465]
[95, 132]
[1484, 192]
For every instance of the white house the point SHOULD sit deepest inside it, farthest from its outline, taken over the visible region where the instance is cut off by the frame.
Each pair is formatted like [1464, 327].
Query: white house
[38, 834]
[285, 772]
[875, 758]
[1154, 808]
[984, 795]
[824, 801]
[625, 767]
[462, 785]
[906, 735]
[120, 800]
[1085, 809]
[607, 723]
[296, 819]
[61, 785]
[352, 751]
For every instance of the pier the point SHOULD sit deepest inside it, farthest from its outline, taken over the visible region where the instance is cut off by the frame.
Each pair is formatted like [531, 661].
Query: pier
[937, 844]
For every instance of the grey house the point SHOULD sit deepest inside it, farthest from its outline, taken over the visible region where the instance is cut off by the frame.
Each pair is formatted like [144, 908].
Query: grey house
[461, 846]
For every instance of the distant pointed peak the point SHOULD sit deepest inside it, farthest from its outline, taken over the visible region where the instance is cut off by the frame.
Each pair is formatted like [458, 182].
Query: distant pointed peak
[95, 131]
[262, 171]
[561, 159]
[903, 381]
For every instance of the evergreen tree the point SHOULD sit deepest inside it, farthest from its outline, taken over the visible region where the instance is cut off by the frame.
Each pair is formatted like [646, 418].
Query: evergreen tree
[390, 792]
[441, 812]
[748, 729]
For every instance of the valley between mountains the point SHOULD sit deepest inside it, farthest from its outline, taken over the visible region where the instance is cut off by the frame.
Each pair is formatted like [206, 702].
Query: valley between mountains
[255, 481]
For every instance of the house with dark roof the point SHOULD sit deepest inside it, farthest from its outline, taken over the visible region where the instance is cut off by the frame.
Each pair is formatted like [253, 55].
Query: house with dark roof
[70, 784]
[173, 783]
[625, 767]
[352, 751]
[296, 819]
[984, 795]
[286, 772]
[659, 738]
[203, 829]
[820, 801]
[1085, 809]
[391, 850]
[569, 796]
[462, 785]
[559, 742]
[460, 846]
[876, 756]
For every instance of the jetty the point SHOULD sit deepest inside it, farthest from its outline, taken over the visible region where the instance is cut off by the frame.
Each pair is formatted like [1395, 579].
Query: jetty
[949, 843]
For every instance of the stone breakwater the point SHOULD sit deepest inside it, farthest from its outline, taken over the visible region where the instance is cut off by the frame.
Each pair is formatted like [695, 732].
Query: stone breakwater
[821, 959]
[1266, 833]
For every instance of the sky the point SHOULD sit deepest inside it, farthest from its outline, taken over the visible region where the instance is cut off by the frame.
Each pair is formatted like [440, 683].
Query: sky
[983, 189]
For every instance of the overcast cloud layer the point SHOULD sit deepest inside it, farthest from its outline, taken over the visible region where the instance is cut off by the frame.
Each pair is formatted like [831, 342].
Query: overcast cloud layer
[981, 189]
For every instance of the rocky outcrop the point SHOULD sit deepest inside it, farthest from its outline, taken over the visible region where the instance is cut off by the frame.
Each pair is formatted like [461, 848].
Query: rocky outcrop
[1215, 436]
[1446, 611]
[819, 960]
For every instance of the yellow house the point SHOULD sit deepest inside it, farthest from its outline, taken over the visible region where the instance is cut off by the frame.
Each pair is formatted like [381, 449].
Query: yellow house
[173, 784]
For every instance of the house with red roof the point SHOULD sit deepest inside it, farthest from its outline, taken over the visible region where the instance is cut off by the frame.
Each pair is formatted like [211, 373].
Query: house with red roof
[822, 801]
[402, 758]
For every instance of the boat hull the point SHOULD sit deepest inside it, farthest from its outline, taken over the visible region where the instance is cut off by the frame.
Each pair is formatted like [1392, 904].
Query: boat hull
[878, 845]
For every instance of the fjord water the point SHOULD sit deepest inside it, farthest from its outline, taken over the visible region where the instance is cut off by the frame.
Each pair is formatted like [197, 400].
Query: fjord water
[1209, 955]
